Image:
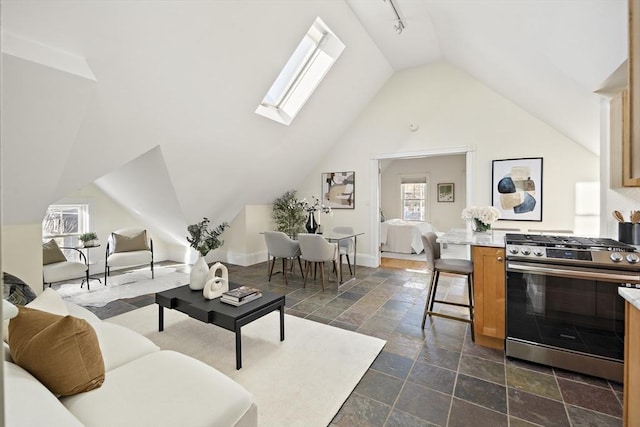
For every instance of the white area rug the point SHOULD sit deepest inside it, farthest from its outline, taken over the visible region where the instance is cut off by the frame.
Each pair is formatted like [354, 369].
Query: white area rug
[301, 381]
[127, 285]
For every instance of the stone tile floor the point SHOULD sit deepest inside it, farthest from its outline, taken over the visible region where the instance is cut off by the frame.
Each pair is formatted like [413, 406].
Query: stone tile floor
[431, 377]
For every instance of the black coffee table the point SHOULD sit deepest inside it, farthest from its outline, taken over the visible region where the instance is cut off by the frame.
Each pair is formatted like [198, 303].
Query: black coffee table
[213, 311]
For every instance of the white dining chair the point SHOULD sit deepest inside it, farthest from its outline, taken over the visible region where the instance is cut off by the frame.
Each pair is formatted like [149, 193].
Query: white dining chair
[279, 245]
[317, 251]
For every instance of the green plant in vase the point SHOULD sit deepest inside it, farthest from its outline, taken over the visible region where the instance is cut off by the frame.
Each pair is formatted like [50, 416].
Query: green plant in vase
[88, 239]
[203, 239]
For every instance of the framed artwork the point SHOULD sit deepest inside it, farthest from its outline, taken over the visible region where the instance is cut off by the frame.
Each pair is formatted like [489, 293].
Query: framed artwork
[446, 192]
[516, 188]
[338, 190]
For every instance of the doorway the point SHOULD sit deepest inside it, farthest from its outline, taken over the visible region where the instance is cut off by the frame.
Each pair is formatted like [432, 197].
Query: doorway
[376, 184]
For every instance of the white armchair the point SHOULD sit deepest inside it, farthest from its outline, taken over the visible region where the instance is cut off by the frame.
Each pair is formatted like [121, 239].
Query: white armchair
[128, 247]
[57, 268]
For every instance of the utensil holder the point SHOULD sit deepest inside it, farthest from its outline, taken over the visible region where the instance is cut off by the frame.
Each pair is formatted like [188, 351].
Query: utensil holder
[629, 232]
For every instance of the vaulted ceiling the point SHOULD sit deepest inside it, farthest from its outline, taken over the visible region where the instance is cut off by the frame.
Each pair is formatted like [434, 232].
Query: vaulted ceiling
[177, 83]
[549, 57]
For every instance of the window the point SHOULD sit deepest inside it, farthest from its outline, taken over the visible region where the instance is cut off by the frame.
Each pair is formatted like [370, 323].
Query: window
[414, 198]
[305, 69]
[65, 223]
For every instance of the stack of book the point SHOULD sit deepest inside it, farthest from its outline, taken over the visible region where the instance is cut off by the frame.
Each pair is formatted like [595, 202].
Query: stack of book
[241, 295]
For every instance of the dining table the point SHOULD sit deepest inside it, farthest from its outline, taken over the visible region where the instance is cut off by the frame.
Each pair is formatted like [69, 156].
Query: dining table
[336, 237]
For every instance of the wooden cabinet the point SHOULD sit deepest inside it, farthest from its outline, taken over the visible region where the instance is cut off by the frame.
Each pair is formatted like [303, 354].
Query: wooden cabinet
[631, 365]
[619, 140]
[631, 142]
[489, 296]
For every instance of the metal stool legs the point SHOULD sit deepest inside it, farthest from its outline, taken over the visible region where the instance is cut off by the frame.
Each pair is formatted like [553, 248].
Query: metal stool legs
[431, 300]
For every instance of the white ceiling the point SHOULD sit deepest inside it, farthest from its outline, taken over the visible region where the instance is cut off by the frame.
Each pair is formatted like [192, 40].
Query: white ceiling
[549, 57]
[186, 76]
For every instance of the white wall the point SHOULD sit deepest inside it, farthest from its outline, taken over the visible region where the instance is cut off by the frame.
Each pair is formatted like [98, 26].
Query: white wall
[42, 112]
[22, 244]
[107, 216]
[243, 243]
[440, 169]
[22, 253]
[168, 74]
[452, 109]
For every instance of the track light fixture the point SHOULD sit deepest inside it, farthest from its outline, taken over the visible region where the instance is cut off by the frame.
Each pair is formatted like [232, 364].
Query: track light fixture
[399, 25]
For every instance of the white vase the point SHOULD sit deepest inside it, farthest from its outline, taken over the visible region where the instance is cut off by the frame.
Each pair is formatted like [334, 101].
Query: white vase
[198, 275]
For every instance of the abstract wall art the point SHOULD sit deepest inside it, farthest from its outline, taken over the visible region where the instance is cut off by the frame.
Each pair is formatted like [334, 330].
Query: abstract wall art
[338, 190]
[517, 188]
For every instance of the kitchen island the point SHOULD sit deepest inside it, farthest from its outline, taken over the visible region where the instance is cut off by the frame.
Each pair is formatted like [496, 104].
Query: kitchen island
[631, 415]
[488, 256]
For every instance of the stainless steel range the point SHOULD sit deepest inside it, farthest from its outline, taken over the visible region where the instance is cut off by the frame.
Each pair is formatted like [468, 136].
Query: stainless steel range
[563, 307]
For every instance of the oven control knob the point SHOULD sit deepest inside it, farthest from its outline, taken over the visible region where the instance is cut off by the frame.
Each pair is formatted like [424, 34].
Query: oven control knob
[538, 252]
[513, 250]
[525, 251]
[616, 257]
[633, 258]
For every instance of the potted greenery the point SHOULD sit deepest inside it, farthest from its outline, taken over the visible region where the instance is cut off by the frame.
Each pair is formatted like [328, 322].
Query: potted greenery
[88, 239]
[289, 214]
[203, 239]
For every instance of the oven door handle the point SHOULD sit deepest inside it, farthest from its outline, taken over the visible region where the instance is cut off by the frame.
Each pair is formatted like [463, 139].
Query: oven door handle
[575, 274]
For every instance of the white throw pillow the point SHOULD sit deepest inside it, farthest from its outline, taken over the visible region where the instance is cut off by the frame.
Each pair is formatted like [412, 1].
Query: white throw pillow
[50, 301]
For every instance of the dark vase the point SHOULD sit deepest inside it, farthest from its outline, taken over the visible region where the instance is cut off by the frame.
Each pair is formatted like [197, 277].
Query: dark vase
[311, 225]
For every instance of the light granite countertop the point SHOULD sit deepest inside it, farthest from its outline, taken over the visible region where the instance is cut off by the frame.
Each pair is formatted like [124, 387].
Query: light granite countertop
[461, 236]
[632, 295]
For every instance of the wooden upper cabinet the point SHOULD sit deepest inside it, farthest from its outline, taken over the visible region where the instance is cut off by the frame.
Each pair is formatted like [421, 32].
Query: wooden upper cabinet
[631, 142]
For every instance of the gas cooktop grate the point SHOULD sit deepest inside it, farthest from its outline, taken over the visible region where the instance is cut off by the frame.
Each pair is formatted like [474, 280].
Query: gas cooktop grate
[592, 243]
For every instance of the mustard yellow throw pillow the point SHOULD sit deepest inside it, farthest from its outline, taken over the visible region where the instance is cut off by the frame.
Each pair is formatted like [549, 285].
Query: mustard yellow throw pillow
[62, 352]
[137, 242]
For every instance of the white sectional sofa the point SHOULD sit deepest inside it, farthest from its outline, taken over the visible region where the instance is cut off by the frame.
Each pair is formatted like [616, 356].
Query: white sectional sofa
[143, 386]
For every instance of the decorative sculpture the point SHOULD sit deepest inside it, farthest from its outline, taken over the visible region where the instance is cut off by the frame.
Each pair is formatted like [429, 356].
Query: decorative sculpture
[216, 285]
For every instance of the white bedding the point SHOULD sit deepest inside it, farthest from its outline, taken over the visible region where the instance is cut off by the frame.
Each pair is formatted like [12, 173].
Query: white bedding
[397, 235]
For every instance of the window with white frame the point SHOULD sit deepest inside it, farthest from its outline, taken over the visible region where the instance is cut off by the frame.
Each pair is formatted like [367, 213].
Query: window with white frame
[414, 197]
[303, 72]
[65, 223]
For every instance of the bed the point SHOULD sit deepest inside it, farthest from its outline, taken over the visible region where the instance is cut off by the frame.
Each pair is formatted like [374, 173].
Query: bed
[400, 236]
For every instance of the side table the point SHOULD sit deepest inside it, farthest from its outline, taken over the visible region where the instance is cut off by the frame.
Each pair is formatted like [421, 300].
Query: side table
[88, 252]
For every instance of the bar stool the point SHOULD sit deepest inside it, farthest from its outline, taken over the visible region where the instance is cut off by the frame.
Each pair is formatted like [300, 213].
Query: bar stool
[445, 265]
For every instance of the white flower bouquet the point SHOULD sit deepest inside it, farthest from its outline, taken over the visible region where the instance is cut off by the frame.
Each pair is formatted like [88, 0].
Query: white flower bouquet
[482, 216]
[314, 206]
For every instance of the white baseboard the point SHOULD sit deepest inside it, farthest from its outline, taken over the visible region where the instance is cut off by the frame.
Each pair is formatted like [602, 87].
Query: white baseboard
[246, 260]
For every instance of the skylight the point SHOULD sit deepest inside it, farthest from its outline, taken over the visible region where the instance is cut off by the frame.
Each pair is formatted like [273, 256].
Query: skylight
[305, 69]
